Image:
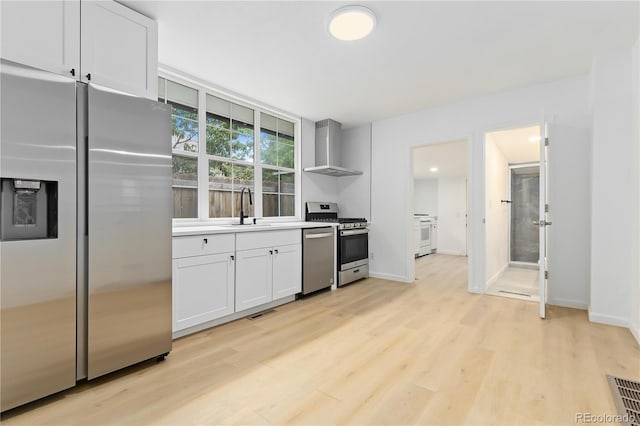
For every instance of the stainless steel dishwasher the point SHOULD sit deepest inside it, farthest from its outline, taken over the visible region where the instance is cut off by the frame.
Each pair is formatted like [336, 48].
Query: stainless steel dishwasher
[318, 258]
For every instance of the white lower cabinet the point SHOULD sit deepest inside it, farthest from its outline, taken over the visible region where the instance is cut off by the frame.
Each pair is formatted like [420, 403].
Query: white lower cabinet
[287, 270]
[253, 278]
[218, 275]
[203, 289]
[268, 267]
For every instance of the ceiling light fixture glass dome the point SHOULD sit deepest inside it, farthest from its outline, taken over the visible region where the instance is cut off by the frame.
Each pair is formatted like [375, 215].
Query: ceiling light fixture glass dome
[351, 23]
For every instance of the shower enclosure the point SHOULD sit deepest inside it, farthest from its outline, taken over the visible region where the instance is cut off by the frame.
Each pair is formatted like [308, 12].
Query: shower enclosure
[525, 209]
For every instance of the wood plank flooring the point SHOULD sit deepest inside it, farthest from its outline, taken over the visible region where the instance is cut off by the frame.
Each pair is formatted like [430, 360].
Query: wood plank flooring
[376, 352]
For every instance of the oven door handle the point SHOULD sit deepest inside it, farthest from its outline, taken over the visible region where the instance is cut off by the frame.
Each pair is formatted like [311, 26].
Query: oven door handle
[354, 232]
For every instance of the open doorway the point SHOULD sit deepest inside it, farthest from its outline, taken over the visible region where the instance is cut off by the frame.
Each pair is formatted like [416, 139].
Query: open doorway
[440, 175]
[512, 200]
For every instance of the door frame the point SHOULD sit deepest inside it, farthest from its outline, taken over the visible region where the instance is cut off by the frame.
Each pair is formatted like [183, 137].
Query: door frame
[409, 232]
[482, 246]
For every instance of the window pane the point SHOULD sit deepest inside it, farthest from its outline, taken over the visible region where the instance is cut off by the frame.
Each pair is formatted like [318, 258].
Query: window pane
[285, 153]
[218, 141]
[219, 121]
[269, 205]
[226, 180]
[287, 183]
[184, 128]
[185, 183]
[278, 193]
[242, 146]
[185, 171]
[242, 114]
[269, 180]
[181, 94]
[287, 205]
[285, 128]
[218, 106]
[268, 147]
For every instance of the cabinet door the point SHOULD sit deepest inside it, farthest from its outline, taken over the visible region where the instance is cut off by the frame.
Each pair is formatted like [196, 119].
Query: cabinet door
[253, 278]
[202, 289]
[42, 34]
[119, 48]
[287, 270]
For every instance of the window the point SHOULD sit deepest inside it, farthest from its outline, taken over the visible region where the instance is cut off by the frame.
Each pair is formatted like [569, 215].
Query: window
[277, 153]
[243, 147]
[184, 145]
[230, 141]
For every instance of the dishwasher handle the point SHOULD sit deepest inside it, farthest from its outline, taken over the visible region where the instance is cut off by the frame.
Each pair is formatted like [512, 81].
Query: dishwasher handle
[323, 235]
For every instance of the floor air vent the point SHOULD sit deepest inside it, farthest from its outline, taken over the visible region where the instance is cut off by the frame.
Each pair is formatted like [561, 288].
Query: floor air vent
[626, 394]
[260, 314]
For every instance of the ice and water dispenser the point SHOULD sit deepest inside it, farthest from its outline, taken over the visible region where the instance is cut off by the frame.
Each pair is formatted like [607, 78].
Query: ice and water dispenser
[28, 209]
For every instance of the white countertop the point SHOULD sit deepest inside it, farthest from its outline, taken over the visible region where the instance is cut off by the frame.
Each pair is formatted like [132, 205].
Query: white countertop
[179, 231]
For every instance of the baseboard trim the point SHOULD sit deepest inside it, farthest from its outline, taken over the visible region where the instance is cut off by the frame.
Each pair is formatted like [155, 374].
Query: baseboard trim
[390, 277]
[635, 330]
[568, 303]
[495, 277]
[608, 319]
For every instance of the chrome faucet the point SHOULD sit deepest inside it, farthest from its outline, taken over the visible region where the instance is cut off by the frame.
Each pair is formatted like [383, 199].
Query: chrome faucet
[242, 216]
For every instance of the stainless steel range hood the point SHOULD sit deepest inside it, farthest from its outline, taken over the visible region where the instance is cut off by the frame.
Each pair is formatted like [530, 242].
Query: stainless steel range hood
[328, 139]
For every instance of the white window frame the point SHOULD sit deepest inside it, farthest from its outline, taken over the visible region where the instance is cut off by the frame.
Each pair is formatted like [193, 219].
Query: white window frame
[203, 158]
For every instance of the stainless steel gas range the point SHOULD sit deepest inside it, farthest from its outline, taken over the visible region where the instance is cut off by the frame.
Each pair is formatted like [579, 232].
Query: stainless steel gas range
[353, 241]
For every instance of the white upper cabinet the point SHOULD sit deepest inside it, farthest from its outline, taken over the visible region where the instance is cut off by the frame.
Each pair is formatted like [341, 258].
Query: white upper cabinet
[42, 34]
[100, 42]
[119, 48]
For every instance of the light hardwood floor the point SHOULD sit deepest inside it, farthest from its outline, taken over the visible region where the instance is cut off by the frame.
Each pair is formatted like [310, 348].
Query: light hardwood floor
[376, 352]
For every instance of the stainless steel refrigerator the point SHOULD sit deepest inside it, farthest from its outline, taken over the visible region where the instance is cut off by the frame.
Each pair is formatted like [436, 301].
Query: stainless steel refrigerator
[85, 232]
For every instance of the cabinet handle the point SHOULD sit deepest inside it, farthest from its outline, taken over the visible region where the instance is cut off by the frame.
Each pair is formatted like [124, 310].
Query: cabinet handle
[232, 257]
[270, 251]
[73, 72]
[276, 251]
[205, 240]
[89, 76]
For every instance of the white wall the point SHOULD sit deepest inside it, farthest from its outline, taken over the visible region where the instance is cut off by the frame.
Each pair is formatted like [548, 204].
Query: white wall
[569, 161]
[635, 299]
[354, 192]
[425, 196]
[392, 178]
[452, 205]
[611, 204]
[315, 187]
[496, 213]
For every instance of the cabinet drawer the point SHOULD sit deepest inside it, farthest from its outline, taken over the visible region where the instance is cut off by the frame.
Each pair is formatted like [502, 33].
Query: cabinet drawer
[198, 245]
[252, 240]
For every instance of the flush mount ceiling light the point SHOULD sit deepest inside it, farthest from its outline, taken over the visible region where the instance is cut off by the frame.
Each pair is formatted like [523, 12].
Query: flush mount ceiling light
[433, 169]
[351, 23]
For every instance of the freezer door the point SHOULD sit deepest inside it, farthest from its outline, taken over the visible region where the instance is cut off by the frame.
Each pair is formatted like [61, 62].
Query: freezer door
[38, 323]
[129, 227]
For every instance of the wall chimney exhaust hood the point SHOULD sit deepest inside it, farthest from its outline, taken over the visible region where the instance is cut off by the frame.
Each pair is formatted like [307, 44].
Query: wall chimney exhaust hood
[328, 139]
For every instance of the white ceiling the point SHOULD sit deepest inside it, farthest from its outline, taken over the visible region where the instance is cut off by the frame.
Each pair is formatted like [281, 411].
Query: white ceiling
[421, 54]
[515, 144]
[450, 158]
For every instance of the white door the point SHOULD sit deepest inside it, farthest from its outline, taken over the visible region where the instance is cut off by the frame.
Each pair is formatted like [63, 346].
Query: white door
[544, 130]
[203, 289]
[287, 270]
[42, 34]
[119, 48]
[254, 283]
